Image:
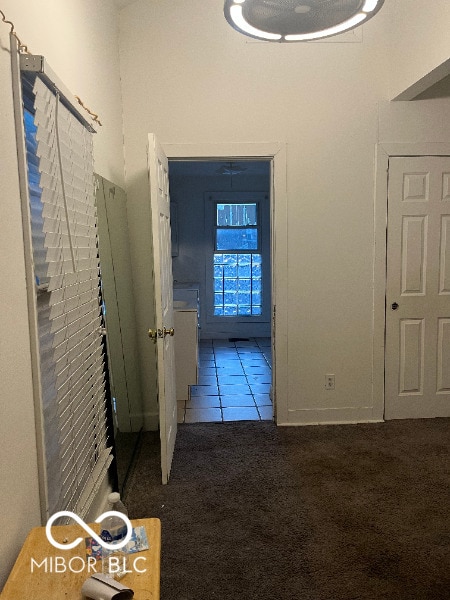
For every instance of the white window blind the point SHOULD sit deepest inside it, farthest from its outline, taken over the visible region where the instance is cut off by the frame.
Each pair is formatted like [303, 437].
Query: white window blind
[66, 269]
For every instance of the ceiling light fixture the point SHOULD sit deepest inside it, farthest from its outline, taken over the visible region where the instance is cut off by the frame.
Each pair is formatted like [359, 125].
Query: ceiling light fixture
[231, 169]
[297, 20]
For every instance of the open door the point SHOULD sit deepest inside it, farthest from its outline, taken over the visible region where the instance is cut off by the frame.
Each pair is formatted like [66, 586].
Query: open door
[163, 332]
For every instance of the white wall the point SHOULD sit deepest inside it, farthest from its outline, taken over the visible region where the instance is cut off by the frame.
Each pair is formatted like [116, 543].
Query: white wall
[79, 40]
[214, 85]
[418, 41]
[188, 77]
[205, 83]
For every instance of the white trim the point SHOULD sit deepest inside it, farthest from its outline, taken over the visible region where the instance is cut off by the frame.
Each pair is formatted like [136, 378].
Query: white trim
[29, 273]
[383, 153]
[276, 152]
[330, 416]
[417, 149]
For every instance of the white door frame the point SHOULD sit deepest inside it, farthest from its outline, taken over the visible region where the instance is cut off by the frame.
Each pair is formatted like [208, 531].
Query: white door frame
[276, 152]
[383, 153]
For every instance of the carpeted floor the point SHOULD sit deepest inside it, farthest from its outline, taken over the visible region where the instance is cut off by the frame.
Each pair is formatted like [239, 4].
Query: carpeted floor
[349, 512]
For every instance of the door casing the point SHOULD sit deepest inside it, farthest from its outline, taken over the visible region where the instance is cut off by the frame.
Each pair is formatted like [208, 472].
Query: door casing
[276, 153]
[384, 152]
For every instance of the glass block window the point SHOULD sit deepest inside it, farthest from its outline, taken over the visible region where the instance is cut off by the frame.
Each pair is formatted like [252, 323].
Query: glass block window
[237, 269]
[237, 284]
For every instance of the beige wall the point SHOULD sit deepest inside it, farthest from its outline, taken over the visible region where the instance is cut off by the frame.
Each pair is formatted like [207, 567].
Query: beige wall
[79, 38]
[19, 499]
[189, 78]
[418, 40]
[214, 85]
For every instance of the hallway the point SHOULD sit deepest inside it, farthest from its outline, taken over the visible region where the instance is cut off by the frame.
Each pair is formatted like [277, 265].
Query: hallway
[234, 382]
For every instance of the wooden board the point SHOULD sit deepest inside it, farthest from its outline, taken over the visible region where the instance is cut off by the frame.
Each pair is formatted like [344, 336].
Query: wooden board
[29, 580]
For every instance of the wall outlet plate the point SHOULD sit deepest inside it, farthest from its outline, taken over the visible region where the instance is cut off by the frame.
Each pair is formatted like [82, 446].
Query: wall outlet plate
[329, 381]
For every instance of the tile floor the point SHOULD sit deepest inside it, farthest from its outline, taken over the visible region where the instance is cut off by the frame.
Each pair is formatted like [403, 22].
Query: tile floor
[233, 385]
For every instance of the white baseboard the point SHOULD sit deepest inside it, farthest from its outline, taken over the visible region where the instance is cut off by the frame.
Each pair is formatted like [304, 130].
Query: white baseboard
[330, 416]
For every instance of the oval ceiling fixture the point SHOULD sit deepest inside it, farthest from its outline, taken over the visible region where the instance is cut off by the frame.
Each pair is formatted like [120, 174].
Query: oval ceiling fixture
[297, 20]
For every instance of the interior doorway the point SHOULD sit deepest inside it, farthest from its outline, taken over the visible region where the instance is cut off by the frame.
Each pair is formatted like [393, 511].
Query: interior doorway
[275, 152]
[221, 249]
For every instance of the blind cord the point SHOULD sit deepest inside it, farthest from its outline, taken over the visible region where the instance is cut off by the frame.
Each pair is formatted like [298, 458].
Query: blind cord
[93, 115]
[63, 188]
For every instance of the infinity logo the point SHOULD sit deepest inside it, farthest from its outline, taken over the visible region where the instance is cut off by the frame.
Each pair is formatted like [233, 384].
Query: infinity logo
[109, 513]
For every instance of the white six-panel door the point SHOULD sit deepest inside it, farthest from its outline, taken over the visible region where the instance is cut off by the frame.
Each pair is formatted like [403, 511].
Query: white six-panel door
[162, 331]
[417, 356]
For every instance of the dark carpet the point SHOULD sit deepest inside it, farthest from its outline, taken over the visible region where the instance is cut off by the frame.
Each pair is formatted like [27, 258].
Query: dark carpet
[252, 511]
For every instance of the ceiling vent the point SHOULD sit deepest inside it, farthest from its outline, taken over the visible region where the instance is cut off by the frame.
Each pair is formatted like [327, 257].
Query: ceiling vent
[298, 20]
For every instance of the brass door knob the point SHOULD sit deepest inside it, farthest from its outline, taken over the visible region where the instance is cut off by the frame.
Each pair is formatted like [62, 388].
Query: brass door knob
[170, 331]
[153, 334]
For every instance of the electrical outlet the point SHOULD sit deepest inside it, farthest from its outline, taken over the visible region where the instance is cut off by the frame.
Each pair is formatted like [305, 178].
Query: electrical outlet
[329, 382]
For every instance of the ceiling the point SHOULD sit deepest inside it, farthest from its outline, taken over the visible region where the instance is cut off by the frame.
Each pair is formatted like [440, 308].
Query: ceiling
[439, 90]
[123, 3]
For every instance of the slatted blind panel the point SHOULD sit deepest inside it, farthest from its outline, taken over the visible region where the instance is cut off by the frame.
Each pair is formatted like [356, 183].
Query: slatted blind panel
[66, 264]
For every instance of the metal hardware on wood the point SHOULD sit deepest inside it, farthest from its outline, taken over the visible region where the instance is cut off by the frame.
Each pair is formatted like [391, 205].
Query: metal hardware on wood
[394, 306]
[153, 334]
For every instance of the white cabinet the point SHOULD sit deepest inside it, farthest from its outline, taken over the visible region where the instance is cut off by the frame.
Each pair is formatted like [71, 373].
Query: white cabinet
[186, 350]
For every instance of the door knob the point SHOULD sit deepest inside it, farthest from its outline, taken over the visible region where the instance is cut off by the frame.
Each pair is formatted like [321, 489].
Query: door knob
[394, 306]
[153, 334]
